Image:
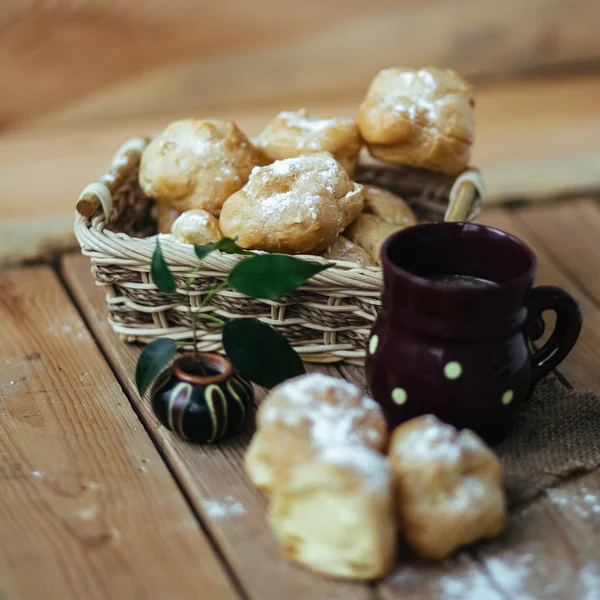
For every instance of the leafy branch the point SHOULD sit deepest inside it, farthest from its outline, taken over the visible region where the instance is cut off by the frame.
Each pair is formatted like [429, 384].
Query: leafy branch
[255, 349]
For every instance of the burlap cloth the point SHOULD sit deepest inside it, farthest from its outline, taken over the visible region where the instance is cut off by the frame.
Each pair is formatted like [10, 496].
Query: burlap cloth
[555, 434]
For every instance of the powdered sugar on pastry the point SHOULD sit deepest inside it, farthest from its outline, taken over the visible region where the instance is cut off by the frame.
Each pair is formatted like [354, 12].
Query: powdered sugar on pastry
[293, 134]
[370, 466]
[304, 415]
[334, 410]
[307, 126]
[296, 206]
[447, 486]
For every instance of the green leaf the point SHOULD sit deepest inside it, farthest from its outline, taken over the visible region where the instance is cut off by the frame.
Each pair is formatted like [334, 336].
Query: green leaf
[260, 353]
[154, 358]
[225, 245]
[271, 275]
[161, 275]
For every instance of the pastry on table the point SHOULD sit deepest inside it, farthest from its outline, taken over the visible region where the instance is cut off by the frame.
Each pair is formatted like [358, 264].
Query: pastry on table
[334, 513]
[388, 206]
[420, 118]
[196, 227]
[292, 206]
[292, 134]
[304, 413]
[447, 486]
[166, 216]
[197, 164]
[370, 232]
[344, 249]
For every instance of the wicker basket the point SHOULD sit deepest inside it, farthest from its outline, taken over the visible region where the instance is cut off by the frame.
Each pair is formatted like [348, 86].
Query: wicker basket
[326, 320]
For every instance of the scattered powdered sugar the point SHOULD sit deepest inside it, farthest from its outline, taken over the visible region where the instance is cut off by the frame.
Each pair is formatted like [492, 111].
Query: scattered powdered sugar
[425, 580]
[220, 510]
[585, 506]
[589, 577]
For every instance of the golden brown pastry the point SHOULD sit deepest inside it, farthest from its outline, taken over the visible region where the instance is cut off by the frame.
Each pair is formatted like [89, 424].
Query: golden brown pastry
[293, 206]
[419, 118]
[334, 513]
[197, 164]
[447, 486]
[305, 413]
[165, 217]
[343, 249]
[292, 134]
[370, 232]
[196, 227]
[388, 206]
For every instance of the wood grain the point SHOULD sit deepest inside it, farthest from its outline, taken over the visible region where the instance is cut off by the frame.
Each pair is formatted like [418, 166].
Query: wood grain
[534, 140]
[52, 53]
[581, 366]
[212, 476]
[219, 53]
[89, 509]
[570, 233]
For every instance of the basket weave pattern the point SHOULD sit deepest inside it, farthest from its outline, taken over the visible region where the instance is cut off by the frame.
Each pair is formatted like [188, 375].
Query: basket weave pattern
[327, 320]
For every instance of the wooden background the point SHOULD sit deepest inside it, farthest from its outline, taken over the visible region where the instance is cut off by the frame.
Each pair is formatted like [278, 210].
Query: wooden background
[79, 76]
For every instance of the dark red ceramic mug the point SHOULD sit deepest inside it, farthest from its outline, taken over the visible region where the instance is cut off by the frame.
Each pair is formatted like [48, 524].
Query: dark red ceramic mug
[457, 318]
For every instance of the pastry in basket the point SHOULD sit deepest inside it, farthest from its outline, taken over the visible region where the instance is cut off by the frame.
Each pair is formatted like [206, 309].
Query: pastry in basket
[388, 206]
[419, 118]
[196, 227]
[370, 232]
[334, 513]
[304, 413]
[292, 134]
[197, 164]
[447, 486]
[343, 249]
[166, 216]
[293, 206]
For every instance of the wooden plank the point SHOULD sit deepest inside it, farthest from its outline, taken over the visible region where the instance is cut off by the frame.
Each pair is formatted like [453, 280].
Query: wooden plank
[546, 147]
[89, 509]
[123, 39]
[251, 59]
[212, 476]
[570, 233]
[551, 547]
[581, 366]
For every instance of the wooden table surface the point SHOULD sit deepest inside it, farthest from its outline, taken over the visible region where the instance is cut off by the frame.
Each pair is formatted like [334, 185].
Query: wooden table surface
[100, 501]
[97, 500]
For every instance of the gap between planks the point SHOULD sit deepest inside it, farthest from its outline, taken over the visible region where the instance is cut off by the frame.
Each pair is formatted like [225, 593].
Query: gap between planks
[535, 528]
[212, 476]
[89, 508]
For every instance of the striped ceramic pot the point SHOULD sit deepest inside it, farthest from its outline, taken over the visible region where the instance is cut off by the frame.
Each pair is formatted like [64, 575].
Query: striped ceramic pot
[201, 398]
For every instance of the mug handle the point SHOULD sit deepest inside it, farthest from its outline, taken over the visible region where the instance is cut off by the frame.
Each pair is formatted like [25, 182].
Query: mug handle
[566, 330]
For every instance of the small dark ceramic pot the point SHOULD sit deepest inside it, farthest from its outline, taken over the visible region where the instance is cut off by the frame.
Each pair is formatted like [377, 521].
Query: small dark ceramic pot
[463, 353]
[201, 398]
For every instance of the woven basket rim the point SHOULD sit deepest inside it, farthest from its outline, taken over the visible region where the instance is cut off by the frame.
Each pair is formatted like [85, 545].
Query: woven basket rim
[111, 251]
